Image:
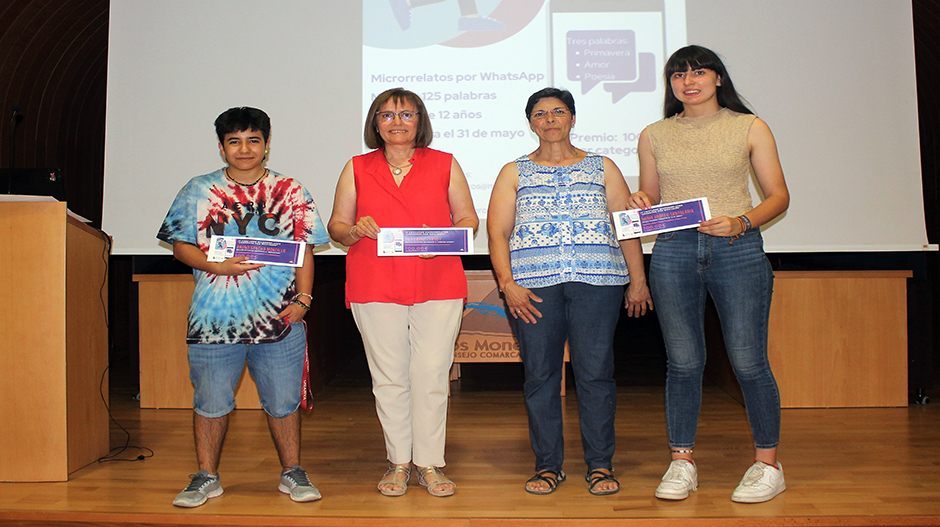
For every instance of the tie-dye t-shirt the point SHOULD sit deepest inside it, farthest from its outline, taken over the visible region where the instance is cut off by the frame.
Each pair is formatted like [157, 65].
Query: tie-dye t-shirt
[233, 309]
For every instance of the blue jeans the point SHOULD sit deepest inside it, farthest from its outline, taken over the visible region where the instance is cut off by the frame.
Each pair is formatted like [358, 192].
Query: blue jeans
[585, 315]
[276, 367]
[685, 265]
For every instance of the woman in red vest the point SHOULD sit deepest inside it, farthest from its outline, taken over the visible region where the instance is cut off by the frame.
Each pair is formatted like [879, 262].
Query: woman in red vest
[408, 308]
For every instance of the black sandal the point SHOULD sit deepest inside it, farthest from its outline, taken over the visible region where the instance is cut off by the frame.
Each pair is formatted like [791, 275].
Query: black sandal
[596, 476]
[552, 478]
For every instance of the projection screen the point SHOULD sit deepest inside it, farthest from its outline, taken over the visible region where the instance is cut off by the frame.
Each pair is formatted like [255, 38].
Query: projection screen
[833, 79]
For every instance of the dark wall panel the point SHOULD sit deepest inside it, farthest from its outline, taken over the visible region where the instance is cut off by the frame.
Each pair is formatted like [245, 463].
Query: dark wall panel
[53, 65]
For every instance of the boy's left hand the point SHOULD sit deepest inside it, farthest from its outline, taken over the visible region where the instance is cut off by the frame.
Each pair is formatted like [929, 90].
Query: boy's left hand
[293, 313]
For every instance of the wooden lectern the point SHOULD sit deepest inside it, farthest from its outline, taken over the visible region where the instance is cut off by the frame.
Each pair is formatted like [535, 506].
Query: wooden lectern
[54, 350]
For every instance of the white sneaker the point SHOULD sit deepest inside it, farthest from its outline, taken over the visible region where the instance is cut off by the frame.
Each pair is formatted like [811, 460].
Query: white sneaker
[680, 479]
[761, 483]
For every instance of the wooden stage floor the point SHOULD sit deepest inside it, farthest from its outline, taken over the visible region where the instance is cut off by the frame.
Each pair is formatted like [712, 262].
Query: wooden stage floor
[844, 467]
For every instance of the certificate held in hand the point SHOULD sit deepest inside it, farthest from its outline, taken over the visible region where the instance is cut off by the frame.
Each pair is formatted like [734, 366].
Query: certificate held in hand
[667, 217]
[258, 250]
[426, 240]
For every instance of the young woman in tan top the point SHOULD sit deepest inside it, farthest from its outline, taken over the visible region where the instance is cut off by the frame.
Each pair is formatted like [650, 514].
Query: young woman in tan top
[707, 145]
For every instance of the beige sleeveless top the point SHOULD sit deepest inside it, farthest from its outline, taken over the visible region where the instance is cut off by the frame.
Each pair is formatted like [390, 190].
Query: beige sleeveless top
[704, 156]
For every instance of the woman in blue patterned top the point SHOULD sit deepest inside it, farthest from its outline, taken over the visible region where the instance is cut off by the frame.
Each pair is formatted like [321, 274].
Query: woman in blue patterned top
[563, 273]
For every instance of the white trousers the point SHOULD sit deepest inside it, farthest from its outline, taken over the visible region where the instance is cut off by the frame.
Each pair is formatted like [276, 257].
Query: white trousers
[410, 350]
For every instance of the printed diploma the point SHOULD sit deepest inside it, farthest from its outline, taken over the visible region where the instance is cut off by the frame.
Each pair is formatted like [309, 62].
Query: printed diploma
[258, 250]
[426, 240]
[667, 217]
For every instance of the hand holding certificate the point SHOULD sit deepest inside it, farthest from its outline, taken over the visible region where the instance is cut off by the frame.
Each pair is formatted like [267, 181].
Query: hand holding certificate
[425, 240]
[258, 250]
[667, 217]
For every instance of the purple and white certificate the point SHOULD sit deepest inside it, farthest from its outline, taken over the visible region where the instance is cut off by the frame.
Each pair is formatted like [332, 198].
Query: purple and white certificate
[258, 250]
[426, 240]
[667, 217]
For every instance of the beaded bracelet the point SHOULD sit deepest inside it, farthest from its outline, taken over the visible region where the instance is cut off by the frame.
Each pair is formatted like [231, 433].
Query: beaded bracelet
[301, 304]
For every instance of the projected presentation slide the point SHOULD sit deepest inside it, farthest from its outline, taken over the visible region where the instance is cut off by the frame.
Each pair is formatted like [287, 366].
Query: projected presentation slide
[474, 63]
[848, 140]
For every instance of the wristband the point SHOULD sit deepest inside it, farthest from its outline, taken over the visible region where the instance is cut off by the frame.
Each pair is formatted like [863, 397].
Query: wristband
[301, 304]
[743, 230]
[298, 295]
[745, 221]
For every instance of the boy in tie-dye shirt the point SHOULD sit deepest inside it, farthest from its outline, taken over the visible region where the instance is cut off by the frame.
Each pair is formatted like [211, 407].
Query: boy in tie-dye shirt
[244, 312]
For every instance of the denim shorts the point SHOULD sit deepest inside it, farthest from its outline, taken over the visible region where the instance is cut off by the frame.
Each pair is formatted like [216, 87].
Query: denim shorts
[276, 367]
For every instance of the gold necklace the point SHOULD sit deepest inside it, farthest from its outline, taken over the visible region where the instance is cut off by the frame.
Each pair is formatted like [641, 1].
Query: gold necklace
[233, 180]
[397, 170]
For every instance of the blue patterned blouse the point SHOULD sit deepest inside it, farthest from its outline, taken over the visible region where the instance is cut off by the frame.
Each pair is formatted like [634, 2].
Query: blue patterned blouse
[563, 231]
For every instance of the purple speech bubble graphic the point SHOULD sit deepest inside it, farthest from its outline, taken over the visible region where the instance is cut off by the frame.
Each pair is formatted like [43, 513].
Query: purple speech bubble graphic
[597, 56]
[645, 82]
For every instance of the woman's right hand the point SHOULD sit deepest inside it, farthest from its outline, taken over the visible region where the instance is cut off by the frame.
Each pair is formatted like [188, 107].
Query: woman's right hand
[639, 200]
[366, 227]
[519, 301]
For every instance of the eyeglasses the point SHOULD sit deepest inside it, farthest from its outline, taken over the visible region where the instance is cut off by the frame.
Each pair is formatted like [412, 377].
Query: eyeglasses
[542, 114]
[406, 116]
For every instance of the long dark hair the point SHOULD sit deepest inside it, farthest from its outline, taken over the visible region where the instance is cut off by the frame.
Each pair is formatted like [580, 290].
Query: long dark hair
[698, 57]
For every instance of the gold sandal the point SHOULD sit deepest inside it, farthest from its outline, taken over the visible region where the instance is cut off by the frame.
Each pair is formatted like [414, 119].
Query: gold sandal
[439, 480]
[393, 476]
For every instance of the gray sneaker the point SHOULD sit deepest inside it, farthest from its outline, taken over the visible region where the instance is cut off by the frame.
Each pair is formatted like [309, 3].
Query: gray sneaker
[200, 489]
[295, 483]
